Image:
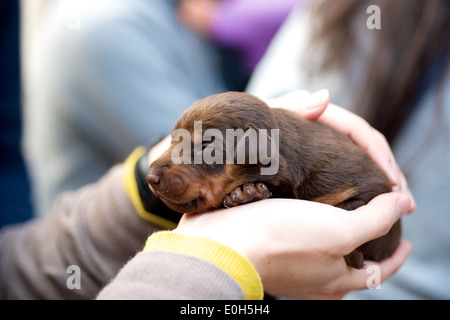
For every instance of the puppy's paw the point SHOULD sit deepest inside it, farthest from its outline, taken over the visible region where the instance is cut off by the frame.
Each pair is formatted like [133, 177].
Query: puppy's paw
[355, 259]
[249, 192]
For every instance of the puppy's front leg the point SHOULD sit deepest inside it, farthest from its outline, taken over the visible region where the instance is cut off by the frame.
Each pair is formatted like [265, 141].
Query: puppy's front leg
[249, 192]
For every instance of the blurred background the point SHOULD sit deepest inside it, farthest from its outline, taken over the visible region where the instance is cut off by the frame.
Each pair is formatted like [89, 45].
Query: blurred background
[82, 83]
[15, 196]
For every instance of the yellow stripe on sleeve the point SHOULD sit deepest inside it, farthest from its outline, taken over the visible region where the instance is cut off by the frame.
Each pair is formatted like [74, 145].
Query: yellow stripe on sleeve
[230, 261]
[129, 181]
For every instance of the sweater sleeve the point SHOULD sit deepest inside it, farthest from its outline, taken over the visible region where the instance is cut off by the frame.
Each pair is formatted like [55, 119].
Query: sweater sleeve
[92, 233]
[175, 266]
[73, 252]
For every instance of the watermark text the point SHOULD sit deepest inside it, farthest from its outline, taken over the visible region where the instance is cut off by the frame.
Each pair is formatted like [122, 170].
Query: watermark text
[252, 146]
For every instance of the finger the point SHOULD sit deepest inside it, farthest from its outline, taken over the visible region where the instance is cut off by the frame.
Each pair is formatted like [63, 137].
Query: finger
[375, 273]
[290, 101]
[370, 277]
[308, 105]
[314, 105]
[375, 219]
[392, 264]
[403, 187]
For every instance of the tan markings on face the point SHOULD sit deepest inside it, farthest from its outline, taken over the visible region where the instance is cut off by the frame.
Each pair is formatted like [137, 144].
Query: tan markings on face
[214, 190]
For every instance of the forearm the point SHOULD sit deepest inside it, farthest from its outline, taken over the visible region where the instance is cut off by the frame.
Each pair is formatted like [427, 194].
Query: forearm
[95, 228]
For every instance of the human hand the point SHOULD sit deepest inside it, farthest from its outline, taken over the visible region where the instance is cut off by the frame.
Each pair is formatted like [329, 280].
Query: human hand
[297, 247]
[316, 106]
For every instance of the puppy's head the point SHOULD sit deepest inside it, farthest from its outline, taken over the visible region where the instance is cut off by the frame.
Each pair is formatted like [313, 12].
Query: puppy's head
[211, 152]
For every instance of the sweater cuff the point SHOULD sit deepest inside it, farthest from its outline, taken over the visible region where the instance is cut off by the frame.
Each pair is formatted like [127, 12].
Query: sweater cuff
[231, 262]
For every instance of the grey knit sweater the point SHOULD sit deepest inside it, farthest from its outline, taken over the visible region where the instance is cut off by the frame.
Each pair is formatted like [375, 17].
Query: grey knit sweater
[78, 250]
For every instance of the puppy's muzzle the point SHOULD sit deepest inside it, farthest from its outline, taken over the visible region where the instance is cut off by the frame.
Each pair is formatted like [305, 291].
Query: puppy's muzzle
[165, 183]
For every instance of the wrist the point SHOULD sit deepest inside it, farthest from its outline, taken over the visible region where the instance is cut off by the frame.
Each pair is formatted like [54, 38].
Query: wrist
[147, 205]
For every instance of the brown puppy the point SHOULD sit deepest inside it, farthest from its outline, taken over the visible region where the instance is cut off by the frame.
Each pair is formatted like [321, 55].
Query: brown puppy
[232, 148]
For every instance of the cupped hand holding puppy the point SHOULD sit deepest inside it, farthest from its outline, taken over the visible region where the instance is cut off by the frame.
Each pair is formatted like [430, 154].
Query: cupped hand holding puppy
[298, 247]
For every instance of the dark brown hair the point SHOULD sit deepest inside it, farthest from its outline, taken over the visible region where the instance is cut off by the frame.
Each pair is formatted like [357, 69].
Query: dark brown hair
[413, 50]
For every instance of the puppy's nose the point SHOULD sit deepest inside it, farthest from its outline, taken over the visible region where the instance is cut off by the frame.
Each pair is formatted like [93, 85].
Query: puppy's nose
[153, 179]
[154, 176]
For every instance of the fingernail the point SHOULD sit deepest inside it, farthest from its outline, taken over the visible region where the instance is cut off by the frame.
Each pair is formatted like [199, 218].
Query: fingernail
[317, 99]
[403, 205]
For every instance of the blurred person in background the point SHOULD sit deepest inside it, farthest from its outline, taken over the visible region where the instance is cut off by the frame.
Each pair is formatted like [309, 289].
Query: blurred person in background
[394, 73]
[242, 28]
[15, 196]
[107, 76]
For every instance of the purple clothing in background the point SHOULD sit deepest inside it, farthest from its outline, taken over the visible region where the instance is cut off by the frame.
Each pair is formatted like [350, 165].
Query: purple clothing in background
[248, 25]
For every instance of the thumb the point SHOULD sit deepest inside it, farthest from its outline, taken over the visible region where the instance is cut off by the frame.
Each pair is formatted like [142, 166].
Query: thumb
[315, 104]
[375, 219]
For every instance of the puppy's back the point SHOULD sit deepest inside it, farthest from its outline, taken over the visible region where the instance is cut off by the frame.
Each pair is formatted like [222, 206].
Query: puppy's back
[325, 165]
